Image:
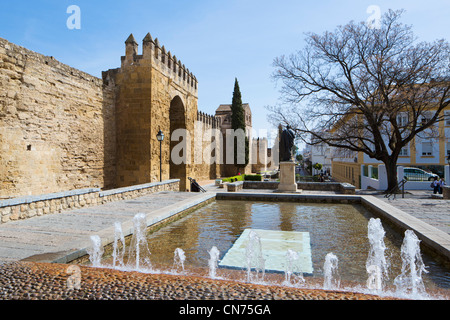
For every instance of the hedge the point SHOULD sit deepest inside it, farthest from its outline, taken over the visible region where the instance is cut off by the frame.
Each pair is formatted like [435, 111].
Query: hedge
[233, 179]
[254, 177]
[247, 177]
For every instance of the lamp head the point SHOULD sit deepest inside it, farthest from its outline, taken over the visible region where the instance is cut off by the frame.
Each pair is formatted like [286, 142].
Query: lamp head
[160, 136]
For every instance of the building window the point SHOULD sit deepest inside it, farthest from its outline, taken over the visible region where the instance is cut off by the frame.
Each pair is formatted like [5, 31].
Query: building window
[427, 148]
[448, 149]
[424, 118]
[447, 118]
[404, 152]
[402, 120]
[424, 121]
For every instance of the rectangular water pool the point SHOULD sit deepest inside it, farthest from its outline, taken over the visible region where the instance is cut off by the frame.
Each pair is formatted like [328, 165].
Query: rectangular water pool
[341, 229]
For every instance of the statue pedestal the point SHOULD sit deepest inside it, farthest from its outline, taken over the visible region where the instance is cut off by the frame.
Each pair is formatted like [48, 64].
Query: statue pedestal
[287, 177]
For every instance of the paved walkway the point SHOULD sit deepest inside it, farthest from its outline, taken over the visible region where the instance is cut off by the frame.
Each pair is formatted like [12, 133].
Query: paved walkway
[419, 204]
[51, 237]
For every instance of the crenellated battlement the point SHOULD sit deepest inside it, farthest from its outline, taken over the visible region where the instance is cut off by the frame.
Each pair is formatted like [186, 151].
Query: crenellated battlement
[153, 54]
[257, 140]
[209, 120]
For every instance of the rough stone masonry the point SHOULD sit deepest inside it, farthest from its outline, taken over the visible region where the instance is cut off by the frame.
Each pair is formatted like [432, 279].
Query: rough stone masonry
[63, 129]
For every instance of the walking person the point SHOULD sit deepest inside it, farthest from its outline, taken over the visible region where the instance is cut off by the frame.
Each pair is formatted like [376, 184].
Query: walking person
[441, 185]
[435, 185]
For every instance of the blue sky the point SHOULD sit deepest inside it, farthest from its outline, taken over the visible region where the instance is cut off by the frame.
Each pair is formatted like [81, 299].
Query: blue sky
[216, 40]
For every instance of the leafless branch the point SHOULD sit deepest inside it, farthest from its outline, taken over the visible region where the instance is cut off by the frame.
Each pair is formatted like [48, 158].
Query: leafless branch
[349, 87]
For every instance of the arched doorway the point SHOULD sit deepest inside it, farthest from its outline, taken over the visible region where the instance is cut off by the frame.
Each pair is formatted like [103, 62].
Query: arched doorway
[178, 153]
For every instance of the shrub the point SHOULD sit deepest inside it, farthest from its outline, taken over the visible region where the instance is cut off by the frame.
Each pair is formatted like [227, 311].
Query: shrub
[233, 179]
[253, 177]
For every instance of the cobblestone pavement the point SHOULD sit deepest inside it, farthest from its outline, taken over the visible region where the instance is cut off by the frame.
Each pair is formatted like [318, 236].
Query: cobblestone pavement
[40, 281]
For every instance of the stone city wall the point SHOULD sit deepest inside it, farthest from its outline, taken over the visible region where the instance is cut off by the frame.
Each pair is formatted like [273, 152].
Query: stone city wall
[57, 128]
[63, 129]
[207, 147]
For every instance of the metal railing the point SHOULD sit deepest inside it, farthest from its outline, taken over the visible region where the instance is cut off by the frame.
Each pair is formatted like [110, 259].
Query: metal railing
[195, 187]
[393, 191]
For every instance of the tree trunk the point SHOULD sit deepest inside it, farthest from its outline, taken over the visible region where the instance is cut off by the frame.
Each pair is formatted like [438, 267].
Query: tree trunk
[391, 172]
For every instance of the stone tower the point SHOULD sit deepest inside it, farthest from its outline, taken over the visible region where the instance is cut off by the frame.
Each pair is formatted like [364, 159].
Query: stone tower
[154, 91]
[223, 112]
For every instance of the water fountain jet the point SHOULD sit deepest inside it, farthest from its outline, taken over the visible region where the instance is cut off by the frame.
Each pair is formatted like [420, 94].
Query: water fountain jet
[292, 279]
[330, 272]
[118, 247]
[376, 265]
[178, 260]
[96, 251]
[410, 281]
[212, 262]
[139, 253]
[254, 257]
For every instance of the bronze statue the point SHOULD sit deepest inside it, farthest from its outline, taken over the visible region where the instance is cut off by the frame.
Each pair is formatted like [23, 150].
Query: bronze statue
[287, 142]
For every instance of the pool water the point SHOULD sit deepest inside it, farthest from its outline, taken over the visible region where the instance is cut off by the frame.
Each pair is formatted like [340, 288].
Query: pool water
[340, 229]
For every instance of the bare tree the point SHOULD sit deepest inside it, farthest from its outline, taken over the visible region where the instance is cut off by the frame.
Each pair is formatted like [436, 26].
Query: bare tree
[365, 89]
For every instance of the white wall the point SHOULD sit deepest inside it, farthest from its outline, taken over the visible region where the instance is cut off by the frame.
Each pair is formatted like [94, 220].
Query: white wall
[377, 184]
[381, 182]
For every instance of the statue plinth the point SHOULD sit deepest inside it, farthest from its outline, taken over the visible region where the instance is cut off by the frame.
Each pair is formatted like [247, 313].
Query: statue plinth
[287, 177]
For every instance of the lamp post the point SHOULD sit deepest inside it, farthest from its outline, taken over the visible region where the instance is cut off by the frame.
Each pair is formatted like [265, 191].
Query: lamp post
[160, 137]
[447, 170]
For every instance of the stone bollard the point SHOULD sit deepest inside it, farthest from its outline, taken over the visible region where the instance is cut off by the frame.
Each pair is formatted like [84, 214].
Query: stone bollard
[446, 192]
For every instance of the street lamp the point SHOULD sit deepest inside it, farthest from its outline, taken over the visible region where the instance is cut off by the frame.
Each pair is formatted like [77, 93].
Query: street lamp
[160, 137]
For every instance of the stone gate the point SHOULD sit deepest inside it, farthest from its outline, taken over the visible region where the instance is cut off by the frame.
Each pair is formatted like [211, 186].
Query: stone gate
[154, 91]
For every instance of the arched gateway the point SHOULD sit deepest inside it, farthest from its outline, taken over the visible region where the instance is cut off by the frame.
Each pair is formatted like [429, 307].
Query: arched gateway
[178, 151]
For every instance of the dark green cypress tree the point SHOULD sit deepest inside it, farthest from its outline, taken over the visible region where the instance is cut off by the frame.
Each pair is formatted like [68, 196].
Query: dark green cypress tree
[238, 122]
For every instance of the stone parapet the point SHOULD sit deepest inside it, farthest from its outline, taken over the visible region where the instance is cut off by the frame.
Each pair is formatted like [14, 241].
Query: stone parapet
[155, 55]
[342, 188]
[133, 192]
[20, 57]
[235, 186]
[28, 207]
[209, 121]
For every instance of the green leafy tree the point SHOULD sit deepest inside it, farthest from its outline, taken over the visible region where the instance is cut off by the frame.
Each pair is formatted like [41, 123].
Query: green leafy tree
[238, 122]
[318, 166]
